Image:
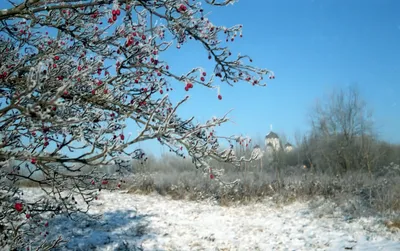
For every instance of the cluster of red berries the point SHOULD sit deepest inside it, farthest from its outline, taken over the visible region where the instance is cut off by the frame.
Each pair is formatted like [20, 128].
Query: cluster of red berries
[203, 75]
[3, 75]
[114, 13]
[188, 86]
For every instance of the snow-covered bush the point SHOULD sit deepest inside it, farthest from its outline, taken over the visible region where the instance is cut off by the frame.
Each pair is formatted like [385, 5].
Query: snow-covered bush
[73, 73]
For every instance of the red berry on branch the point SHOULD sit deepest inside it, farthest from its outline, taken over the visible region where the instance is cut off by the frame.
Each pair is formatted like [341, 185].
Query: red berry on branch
[56, 57]
[18, 206]
[212, 176]
[219, 97]
[182, 8]
[27, 216]
[33, 161]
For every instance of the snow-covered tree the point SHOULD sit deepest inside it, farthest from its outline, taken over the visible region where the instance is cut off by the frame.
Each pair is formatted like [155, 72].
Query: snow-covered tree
[73, 73]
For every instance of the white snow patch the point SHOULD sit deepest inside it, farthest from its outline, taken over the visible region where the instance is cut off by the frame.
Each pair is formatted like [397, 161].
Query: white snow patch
[153, 222]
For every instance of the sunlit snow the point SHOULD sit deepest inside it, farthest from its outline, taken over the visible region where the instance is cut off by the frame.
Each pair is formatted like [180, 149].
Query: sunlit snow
[153, 222]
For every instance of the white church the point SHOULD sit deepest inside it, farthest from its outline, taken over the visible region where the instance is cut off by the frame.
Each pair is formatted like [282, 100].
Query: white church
[273, 143]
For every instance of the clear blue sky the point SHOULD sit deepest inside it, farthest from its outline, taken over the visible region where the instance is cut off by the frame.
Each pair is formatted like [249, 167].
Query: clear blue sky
[313, 46]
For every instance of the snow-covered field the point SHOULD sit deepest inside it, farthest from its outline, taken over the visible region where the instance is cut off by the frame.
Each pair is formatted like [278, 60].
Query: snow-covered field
[153, 222]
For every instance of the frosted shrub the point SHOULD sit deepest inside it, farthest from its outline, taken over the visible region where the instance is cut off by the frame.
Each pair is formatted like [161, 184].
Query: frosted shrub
[73, 73]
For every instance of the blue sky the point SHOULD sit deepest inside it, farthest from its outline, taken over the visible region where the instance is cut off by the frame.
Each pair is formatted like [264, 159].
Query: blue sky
[313, 46]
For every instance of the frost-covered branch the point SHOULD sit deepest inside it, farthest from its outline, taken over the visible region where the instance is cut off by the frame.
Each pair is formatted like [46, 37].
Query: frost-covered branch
[73, 73]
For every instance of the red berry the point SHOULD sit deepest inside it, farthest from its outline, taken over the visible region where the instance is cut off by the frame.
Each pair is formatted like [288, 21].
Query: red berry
[33, 161]
[118, 12]
[204, 74]
[186, 88]
[104, 182]
[113, 12]
[122, 137]
[56, 57]
[46, 224]
[114, 18]
[161, 91]
[182, 8]
[202, 79]
[119, 185]
[79, 68]
[105, 91]
[27, 216]
[93, 92]
[212, 176]
[46, 143]
[18, 206]
[219, 97]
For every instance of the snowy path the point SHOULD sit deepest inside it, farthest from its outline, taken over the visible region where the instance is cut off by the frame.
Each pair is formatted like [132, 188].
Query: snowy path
[164, 224]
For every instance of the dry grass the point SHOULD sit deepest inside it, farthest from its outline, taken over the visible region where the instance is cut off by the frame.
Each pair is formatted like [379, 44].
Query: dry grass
[356, 192]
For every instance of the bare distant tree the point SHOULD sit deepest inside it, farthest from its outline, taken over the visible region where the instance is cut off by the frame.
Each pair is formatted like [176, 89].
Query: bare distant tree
[342, 131]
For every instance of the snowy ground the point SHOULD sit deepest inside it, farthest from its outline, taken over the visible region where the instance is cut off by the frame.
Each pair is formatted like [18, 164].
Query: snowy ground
[153, 222]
